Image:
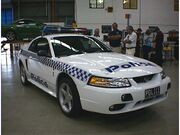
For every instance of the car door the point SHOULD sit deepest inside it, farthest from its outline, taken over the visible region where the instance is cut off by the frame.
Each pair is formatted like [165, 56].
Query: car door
[39, 72]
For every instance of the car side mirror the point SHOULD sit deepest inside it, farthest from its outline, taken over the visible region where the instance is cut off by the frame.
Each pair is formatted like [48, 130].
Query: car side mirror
[42, 53]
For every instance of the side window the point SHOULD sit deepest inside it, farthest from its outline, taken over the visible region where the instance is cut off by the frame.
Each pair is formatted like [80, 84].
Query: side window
[30, 22]
[20, 22]
[40, 44]
[32, 47]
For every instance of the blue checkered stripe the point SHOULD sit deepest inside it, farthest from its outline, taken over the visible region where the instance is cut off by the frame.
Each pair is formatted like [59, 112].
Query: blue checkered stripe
[73, 71]
[63, 67]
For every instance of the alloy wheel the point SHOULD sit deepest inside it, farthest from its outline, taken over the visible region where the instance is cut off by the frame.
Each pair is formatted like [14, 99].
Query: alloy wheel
[10, 35]
[65, 97]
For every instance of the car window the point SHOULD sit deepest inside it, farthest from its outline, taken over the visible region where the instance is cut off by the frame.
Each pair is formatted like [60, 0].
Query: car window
[89, 44]
[100, 43]
[62, 48]
[30, 22]
[70, 45]
[22, 22]
[40, 44]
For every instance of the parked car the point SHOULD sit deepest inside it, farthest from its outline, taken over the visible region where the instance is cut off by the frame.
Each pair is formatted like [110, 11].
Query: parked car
[23, 28]
[55, 29]
[83, 73]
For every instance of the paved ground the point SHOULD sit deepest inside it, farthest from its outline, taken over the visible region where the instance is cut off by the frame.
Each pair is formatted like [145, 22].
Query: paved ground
[30, 111]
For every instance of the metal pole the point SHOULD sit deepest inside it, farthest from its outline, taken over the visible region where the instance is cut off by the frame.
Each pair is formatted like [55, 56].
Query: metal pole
[18, 9]
[11, 50]
[75, 11]
[46, 8]
[128, 20]
[139, 13]
[52, 10]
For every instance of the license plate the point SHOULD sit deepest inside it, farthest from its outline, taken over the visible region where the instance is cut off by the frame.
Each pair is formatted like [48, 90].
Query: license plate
[153, 92]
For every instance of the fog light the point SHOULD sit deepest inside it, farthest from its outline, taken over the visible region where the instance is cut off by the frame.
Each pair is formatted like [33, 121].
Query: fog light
[111, 108]
[126, 97]
[116, 107]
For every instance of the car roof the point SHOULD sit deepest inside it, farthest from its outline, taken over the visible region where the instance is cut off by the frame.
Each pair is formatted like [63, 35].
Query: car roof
[63, 27]
[24, 19]
[62, 35]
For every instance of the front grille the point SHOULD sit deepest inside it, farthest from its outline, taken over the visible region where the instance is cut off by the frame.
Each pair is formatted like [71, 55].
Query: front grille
[143, 79]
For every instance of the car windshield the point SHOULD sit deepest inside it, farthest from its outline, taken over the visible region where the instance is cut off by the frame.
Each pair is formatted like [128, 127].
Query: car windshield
[70, 45]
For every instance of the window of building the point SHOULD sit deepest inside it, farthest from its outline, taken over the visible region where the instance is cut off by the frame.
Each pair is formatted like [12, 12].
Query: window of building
[129, 4]
[176, 5]
[96, 3]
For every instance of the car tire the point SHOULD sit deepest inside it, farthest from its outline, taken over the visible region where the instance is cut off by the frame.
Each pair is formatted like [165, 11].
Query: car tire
[23, 76]
[10, 35]
[68, 98]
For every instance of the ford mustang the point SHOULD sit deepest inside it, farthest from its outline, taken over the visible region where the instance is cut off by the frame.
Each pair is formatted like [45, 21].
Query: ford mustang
[84, 74]
[23, 28]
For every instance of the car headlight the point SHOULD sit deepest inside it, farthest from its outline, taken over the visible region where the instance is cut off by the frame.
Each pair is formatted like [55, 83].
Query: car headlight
[109, 82]
[163, 75]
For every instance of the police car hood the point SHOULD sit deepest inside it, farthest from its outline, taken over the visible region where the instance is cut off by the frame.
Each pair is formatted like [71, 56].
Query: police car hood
[112, 64]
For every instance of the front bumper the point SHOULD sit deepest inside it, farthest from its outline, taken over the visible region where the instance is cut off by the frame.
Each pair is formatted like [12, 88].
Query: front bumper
[100, 100]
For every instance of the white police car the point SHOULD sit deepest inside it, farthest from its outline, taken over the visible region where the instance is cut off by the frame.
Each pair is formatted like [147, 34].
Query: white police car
[83, 73]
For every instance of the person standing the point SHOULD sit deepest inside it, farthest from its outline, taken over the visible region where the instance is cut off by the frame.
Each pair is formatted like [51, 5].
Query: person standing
[114, 38]
[138, 43]
[158, 46]
[147, 46]
[130, 41]
[97, 35]
[74, 24]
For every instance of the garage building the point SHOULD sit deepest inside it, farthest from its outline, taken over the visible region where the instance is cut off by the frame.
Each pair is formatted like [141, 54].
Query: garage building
[27, 110]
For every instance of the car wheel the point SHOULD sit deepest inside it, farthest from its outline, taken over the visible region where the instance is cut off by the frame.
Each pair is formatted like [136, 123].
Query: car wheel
[10, 35]
[68, 98]
[23, 76]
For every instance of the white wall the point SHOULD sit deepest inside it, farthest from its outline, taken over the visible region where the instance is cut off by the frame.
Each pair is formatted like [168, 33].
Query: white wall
[161, 13]
[152, 13]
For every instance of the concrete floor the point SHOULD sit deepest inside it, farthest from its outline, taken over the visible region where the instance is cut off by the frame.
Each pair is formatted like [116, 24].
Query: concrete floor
[30, 111]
